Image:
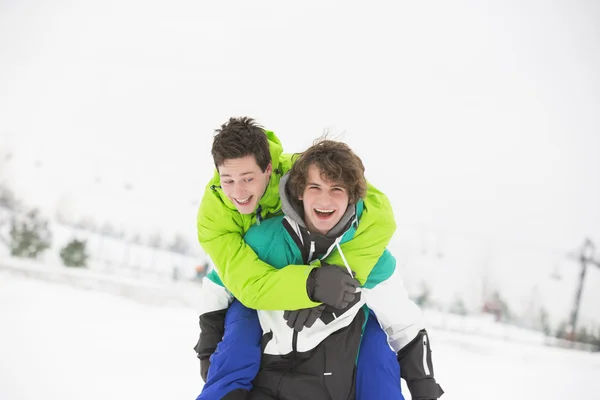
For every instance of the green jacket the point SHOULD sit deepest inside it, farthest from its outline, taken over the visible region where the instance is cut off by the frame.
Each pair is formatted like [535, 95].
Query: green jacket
[260, 286]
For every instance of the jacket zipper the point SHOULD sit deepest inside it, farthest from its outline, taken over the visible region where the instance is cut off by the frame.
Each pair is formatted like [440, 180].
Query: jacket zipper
[294, 361]
[295, 344]
[258, 215]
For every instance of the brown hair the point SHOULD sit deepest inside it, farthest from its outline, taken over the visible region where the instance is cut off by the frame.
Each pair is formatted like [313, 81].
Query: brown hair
[238, 138]
[337, 162]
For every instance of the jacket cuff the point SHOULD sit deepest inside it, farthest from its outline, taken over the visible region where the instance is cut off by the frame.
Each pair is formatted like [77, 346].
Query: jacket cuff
[311, 283]
[425, 389]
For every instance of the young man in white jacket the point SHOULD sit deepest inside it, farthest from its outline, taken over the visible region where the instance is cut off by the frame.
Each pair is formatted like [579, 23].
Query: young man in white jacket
[317, 353]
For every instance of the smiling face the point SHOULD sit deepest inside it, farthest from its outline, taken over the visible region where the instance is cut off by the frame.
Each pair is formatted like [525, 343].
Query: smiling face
[325, 202]
[243, 182]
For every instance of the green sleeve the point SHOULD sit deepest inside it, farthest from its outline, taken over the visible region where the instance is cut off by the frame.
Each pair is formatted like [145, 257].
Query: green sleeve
[254, 283]
[375, 230]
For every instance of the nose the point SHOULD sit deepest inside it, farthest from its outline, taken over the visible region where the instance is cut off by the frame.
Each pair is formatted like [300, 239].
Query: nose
[324, 197]
[239, 191]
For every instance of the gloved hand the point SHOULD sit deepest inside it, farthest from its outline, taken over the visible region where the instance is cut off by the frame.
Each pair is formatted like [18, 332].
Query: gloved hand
[204, 366]
[306, 317]
[332, 285]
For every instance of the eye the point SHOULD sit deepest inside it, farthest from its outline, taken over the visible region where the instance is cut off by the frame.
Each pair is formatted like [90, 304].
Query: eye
[248, 180]
[227, 182]
[339, 189]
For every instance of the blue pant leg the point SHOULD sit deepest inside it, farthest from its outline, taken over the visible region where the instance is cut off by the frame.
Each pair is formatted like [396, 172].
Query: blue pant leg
[378, 371]
[236, 360]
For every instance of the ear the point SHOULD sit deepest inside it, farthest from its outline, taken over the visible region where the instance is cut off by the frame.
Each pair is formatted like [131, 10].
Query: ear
[269, 169]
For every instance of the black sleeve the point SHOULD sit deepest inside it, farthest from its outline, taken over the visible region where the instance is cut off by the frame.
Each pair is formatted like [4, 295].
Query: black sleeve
[416, 367]
[212, 328]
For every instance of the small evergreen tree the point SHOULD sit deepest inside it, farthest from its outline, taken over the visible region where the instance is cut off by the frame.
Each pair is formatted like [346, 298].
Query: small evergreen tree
[8, 206]
[29, 235]
[74, 254]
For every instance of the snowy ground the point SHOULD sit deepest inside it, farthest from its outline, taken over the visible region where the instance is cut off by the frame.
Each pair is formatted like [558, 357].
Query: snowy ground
[59, 342]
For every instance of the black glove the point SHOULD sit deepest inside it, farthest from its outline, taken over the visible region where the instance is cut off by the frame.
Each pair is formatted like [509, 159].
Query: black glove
[332, 285]
[416, 367]
[306, 317]
[204, 366]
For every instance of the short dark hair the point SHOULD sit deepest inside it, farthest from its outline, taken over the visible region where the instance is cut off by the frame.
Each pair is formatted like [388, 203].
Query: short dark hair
[337, 162]
[238, 138]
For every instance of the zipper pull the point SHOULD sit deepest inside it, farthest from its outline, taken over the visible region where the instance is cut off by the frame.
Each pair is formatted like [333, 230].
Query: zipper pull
[312, 251]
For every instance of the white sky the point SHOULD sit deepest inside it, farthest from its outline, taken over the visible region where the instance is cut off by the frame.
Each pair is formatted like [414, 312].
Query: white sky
[479, 120]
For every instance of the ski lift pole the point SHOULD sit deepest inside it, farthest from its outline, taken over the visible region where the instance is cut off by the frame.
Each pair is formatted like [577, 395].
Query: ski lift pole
[585, 257]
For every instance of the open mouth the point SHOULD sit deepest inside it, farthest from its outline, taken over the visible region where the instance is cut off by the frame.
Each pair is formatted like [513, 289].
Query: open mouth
[243, 201]
[323, 213]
